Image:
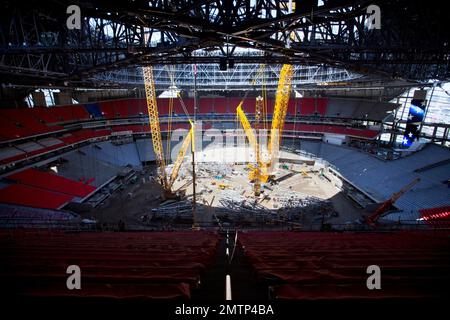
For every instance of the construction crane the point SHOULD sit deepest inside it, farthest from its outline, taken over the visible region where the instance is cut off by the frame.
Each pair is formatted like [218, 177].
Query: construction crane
[263, 170]
[261, 101]
[155, 128]
[373, 218]
[258, 112]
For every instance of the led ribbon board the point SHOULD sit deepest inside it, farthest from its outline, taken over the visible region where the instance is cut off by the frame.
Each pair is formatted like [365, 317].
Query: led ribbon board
[415, 118]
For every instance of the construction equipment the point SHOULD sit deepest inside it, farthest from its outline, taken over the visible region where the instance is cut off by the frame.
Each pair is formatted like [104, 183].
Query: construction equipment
[181, 153]
[304, 172]
[257, 173]
[373, 218]
[155, 128]
[223, 186]
[261, 101]
[260, 170]
[263, 170]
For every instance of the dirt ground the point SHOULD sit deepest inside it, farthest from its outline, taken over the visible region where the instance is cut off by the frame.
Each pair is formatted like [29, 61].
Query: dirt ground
[129, 204]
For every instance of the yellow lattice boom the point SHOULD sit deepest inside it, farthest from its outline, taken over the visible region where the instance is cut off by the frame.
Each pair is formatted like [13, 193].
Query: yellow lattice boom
[153, 118]
[280, 109]
[181, 154]
[264, 169]
[257, 172]
[155, 128]
[261, 170]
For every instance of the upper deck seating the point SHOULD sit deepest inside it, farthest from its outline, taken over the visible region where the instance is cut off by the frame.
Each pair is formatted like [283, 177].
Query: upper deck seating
[324, 266]
[130, 265]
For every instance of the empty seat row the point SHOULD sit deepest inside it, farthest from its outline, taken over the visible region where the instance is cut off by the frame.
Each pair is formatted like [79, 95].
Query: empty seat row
[33, 197]
[113, 265]
[316, 266]
[52, 182]
[436, 216]
[19, 123]
[363, 133]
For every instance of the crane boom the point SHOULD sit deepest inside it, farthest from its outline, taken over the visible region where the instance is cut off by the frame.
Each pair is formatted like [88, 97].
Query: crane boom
[280, 110]
[181, 153]
[260, 172]
[372, 219]
[257, 183]
[155, 128]
[246, 125]
[279, 115]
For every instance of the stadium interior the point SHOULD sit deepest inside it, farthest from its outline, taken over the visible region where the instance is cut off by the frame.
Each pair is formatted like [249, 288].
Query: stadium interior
[276, 153]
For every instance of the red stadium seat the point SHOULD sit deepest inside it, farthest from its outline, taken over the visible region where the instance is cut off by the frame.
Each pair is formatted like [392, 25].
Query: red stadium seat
[33, 197]
[326, 266]
[108, 110]
[51, 182]
[137, 265]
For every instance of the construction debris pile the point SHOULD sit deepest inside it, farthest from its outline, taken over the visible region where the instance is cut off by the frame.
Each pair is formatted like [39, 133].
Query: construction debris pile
[289, 207]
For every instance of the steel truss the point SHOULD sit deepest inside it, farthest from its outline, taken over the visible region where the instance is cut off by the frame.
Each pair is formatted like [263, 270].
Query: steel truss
[37, 48]
[210, 77]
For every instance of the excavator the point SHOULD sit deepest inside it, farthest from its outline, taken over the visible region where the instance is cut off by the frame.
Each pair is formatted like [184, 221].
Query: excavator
[155, 128]
[384, 207]
[263, 171]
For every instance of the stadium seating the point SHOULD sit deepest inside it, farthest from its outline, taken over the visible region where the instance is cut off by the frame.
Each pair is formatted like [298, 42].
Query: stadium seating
[52, 182]
[206, 105]
[358, 108]
[370, 134]
[85, 134]
[14, 216]
[310, 106]
[17, 123]
[108, 110]
[69, 113]
[24, 155]
[33, 197]
[24, 123]
[138, 265]
[40, 189]
[21, 123]
[24, 119]
[363, 170]
[10, 130]
[135, 128]
[325, 266]
[439, 216]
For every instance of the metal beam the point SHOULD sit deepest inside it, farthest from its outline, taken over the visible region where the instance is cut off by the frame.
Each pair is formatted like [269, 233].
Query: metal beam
[35, 43]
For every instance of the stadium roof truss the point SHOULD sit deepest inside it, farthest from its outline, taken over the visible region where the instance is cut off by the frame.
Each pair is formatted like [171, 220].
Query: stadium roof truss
[210, 77]
[327, 40]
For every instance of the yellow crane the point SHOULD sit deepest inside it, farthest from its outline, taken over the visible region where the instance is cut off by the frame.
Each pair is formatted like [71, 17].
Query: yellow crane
[155, 128]
[261, 102]
[257, 171]
[264, 169]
